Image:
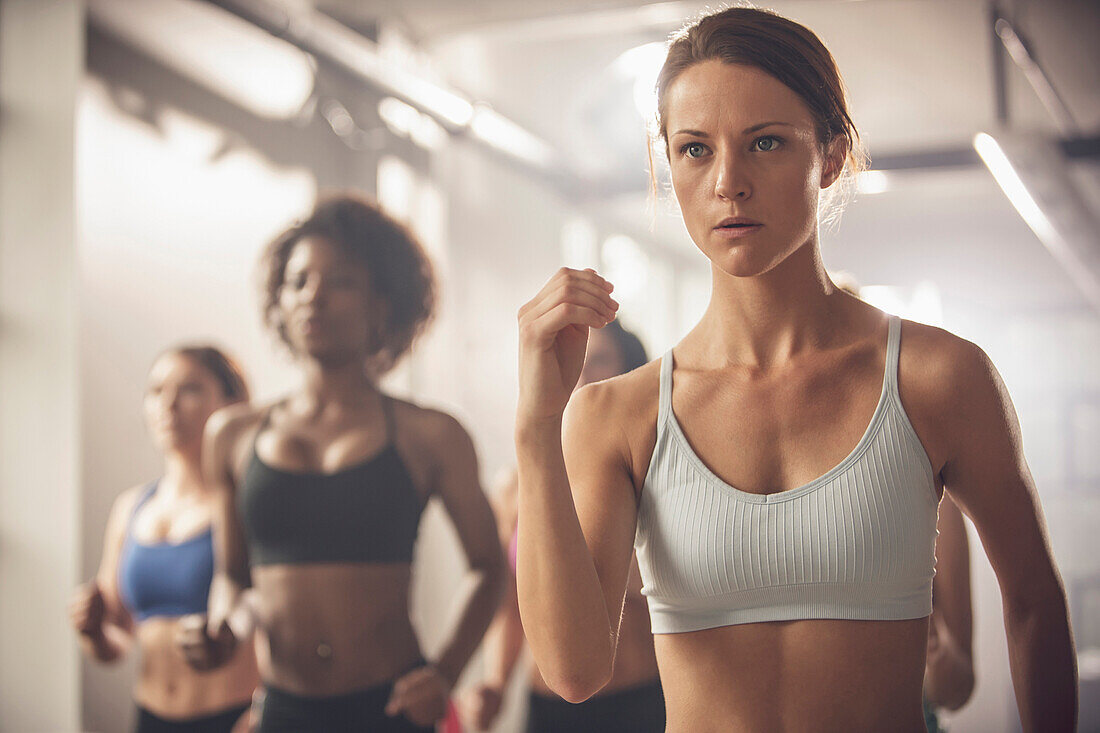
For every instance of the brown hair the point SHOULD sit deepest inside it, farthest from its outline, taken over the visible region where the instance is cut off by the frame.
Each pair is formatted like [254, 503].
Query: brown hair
[786, 50]
[222, 367]
[399, 270]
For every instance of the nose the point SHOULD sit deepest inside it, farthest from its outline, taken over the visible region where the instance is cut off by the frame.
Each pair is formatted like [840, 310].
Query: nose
[731, 182]
[170, 399]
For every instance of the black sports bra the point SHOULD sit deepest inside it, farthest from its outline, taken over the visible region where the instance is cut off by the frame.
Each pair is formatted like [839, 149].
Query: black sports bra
[366, 513]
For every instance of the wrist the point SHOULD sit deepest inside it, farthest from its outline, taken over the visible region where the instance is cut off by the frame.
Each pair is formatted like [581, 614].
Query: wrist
[535, 430]
[96, 635]
[445, 673]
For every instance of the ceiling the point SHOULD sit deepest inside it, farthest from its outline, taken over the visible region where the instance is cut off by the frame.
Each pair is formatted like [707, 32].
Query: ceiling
[920, 79]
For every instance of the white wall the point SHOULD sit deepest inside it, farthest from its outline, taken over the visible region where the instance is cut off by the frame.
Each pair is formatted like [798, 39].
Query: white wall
[41, 46]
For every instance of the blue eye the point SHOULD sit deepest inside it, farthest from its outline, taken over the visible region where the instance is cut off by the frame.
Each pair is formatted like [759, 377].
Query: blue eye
[766, 144]
[693, 150]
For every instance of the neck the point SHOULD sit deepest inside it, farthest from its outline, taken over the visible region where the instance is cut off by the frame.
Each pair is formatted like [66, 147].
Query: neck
[765, 320]
[182, 471]
[339, 383]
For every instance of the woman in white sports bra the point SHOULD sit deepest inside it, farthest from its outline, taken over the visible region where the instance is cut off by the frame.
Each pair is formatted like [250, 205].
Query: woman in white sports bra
[778, 472]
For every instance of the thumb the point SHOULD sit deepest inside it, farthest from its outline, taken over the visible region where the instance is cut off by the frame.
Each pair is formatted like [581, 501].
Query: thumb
[397, 701]
[394, 704]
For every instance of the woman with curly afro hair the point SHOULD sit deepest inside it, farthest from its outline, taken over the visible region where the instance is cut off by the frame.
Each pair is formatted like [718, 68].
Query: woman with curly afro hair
[322, 492]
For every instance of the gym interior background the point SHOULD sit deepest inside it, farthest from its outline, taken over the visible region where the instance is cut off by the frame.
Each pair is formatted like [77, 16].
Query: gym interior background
[149, 149]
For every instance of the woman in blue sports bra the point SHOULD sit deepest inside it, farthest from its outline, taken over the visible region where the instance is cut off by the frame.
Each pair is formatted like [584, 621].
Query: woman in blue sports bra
[322, 493]
[778, 471]
[158, 559]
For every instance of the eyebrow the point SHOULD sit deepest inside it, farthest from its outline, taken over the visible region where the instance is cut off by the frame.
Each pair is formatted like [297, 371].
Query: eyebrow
[746, 131]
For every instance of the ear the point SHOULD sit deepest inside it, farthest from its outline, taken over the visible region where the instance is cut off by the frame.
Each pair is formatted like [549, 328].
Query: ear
[835, 154]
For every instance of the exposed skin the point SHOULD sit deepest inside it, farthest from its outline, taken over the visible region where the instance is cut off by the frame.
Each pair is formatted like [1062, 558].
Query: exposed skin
[635, 660]
[789, 369]
[180, 397]
[949, 670]
[359, 612]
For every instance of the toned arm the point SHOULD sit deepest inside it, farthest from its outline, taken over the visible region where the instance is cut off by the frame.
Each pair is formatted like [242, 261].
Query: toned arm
[985, 473]
[577, 513]
[458, 486]
[208, 642]
[97, 611]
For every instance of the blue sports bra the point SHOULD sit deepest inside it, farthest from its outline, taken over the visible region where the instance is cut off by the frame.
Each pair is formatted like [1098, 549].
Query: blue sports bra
[855, 543]
[165, 579]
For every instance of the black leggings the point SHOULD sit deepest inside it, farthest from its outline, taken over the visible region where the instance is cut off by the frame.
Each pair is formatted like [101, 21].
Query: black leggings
[632, 710]
[222, 722]
[354, 712]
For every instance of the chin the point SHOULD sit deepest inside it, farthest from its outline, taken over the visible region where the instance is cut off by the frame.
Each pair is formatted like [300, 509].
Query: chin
[742, 264]
[175, 441]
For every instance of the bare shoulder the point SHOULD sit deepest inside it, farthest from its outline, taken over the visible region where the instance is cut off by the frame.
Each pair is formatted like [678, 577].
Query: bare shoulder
[621, 411]
[949, 388]
[428, 426]
[628, 396]
[227, 425]
[942, 367]
[124, 504]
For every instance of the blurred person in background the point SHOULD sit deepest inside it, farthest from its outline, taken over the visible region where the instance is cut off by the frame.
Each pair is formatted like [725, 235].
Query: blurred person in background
[158, 559]
[631, 702]
[778, 472]
[321, 494]
[949, 666]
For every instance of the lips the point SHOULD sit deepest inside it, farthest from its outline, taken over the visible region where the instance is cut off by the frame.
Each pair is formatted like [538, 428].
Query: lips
[738, 222]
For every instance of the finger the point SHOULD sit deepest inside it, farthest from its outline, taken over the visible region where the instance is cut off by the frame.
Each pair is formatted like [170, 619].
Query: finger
[569, 289]
[589, 274]
[575, 289]
[568, 314]
[395, 705]
[565, 276]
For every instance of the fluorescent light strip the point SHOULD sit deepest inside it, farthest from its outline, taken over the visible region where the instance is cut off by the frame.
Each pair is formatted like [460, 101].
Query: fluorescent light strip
[1013, 187]
[1016, 191]
[505, 135]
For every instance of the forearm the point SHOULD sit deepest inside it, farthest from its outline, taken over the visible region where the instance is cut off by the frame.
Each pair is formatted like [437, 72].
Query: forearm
[1043, 663]
[108, 645]
[480, 594]
[228, 602]
[560, 597]
[503, 641]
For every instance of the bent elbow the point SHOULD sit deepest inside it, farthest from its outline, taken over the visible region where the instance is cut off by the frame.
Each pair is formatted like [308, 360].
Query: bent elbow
[577, 688]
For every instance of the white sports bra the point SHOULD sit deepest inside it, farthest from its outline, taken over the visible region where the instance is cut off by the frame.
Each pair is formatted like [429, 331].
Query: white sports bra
[855, 543]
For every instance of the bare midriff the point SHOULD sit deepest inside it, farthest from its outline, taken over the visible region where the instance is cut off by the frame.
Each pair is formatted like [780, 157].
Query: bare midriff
[779, 677]
[169, 687]
[332, 628]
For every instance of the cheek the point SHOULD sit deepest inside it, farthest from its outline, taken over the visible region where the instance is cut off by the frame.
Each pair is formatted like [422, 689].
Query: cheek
[151, 408]
[690, 189]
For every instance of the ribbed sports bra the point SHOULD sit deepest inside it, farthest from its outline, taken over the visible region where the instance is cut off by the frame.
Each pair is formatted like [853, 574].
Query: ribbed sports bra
[366, 513]
[856, 543]
[166, 578]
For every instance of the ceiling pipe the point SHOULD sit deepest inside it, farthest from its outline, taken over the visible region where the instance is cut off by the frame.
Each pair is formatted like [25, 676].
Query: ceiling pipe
[1020, 52]
[325, 38]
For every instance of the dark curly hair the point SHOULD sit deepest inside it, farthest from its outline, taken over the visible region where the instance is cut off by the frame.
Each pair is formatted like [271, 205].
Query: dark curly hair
[399, 270]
